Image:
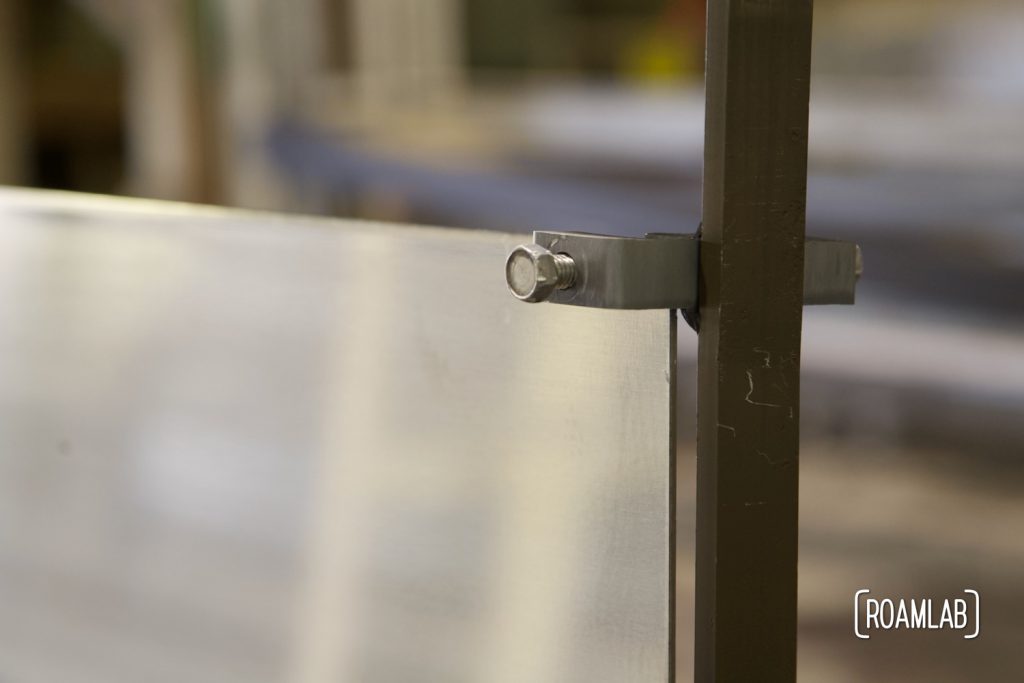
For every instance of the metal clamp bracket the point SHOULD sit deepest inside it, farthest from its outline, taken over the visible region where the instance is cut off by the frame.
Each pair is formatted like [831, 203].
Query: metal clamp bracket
[656, 271]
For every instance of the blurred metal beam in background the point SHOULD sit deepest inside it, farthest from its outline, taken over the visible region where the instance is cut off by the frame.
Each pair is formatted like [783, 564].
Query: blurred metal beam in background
[755, 183]
[269, 53]
[164, 154]
[405, 52]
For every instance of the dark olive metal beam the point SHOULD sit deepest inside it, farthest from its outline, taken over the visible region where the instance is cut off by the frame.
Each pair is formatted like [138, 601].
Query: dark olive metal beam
[751, 301]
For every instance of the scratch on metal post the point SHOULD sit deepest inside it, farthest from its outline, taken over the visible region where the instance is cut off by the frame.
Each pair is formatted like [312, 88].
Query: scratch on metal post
[750, 378]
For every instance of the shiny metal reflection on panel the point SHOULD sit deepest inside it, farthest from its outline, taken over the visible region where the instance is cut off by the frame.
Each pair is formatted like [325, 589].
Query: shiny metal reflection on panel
[252, 447]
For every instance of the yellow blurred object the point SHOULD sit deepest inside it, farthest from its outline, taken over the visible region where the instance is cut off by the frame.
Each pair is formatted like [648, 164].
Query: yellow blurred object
[659, 56]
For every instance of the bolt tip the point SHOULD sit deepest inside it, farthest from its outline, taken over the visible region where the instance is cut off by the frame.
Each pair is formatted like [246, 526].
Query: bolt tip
[533, 273]
[521, 274]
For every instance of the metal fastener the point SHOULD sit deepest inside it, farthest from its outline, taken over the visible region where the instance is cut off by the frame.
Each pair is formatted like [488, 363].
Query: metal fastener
[533, 273]
[656, 271]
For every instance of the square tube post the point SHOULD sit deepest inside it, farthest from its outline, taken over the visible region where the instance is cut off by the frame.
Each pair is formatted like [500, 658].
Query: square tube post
[751, 305]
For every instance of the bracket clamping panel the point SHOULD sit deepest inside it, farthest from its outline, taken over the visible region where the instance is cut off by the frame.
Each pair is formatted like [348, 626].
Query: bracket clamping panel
[656, 271]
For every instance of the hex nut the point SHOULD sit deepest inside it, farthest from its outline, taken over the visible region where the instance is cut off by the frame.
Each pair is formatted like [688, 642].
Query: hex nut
[533, 273]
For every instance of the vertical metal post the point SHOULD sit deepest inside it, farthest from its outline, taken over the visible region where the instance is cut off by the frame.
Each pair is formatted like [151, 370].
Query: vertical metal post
[755, 182]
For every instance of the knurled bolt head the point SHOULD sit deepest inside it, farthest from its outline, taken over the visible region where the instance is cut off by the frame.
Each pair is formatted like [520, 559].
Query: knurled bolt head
[533, 273]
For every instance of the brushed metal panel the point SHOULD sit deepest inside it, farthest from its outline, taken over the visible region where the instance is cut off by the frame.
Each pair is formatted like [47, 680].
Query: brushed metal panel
[251, 447]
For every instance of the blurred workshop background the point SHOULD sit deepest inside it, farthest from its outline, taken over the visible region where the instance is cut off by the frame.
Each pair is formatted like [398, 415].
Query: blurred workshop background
[588, 115]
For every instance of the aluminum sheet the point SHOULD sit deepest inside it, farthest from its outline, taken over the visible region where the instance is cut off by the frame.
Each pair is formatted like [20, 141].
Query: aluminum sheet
[251, 447]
